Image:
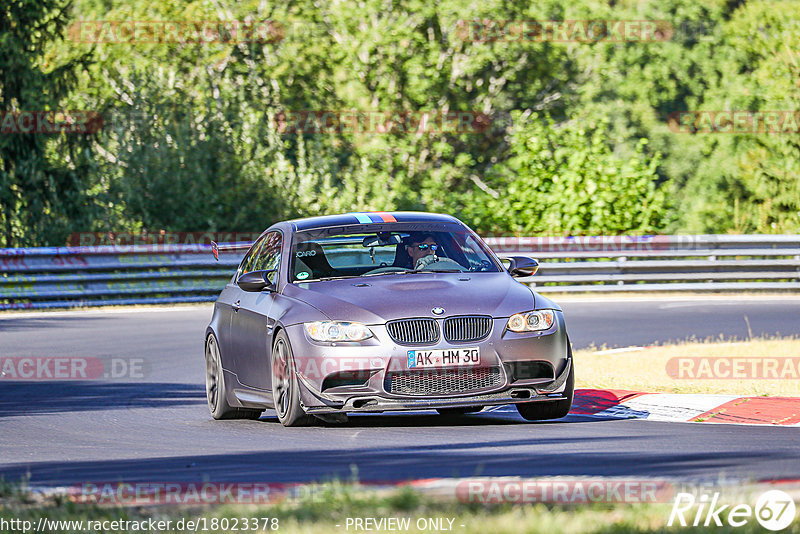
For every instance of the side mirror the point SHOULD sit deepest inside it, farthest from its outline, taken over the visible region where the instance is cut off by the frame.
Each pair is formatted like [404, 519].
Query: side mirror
[256, 281]
[520, 266]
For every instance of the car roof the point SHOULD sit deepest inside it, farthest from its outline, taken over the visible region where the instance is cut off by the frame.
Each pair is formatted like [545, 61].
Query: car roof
[370, 217]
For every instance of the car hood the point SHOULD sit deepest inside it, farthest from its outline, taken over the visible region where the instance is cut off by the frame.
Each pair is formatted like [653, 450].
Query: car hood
[375, 300]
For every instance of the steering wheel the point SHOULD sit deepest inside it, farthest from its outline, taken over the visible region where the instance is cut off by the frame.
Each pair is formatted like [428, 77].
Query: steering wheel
[443, 263]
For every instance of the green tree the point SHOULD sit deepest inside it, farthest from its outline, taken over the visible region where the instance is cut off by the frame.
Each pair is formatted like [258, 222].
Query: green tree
[192, 146]
[564, 179]
[43, 189]
[749, 182]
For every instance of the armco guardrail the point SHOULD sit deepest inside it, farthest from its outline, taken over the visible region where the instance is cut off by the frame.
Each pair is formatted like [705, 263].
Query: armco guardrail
[659, 263]
[57, 277]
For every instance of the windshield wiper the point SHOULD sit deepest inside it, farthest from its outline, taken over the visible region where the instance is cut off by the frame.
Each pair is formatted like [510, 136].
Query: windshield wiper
[414, 271]
[410, 271]
[326, 278]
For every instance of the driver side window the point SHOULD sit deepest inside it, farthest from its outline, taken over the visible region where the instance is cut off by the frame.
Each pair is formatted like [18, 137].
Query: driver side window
[269, 255]
[249, 259]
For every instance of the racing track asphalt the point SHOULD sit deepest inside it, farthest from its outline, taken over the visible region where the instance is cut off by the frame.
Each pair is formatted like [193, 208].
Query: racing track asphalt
[157, 428]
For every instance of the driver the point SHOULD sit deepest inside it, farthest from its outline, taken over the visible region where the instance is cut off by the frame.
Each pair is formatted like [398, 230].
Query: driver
[422, 250]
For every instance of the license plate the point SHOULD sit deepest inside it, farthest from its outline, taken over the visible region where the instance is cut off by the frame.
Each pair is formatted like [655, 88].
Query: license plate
[464, 356]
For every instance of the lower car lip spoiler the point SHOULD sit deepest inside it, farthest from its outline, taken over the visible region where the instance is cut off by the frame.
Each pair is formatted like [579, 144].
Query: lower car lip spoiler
[369, 403]
[511, 394]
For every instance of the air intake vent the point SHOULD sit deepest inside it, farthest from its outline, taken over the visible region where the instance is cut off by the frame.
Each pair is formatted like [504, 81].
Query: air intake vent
[442, 381]
[414, 331]
[346, 378]
[467, 328]
[529, 369]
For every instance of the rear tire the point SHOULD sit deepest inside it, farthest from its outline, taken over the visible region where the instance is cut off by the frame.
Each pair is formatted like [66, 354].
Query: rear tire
[541, 411]
[216, 389]
[285, 389]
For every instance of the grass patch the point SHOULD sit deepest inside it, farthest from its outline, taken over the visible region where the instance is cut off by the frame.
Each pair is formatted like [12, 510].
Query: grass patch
[326, 510]
[647, 369]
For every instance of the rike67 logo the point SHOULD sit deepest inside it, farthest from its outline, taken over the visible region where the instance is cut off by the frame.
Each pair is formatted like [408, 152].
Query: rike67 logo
[774, 510]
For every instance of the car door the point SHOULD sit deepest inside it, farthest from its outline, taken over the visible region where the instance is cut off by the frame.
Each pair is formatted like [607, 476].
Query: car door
[229, 299]
[250, 329]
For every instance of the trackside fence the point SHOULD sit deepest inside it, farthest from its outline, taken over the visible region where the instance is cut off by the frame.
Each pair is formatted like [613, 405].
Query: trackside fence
[63, 277]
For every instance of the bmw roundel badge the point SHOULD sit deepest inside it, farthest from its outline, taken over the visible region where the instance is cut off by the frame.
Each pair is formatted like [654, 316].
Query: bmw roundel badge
[437, 311]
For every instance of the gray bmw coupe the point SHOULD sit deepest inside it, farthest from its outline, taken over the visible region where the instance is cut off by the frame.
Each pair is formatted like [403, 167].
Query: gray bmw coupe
[375, 312]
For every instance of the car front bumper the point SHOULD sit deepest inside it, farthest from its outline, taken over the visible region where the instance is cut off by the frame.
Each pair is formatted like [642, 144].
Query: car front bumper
[373, 362]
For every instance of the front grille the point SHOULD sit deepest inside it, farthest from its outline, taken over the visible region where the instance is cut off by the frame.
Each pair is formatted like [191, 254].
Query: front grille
[414, 331]
[442, 381]
[467, 328]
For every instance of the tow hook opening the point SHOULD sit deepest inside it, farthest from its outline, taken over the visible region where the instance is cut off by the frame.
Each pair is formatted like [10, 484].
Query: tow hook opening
[361, 403]
[521, 394]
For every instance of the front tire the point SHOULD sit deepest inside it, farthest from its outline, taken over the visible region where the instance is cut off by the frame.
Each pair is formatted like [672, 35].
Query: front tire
[285, 389]
[217, 391]
[542, 411]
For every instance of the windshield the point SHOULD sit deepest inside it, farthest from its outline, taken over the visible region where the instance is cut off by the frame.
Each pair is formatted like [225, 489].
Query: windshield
[324, 254]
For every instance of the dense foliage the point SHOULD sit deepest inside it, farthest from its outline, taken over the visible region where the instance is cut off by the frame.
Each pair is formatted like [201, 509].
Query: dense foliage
[579, 139]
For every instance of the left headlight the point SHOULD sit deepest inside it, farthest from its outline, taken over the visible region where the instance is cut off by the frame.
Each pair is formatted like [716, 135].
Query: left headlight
[532, 321]
[337, 331]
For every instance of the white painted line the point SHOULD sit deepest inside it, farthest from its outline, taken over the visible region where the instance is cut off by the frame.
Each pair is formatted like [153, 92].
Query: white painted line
[10, 315]
[618, 351]
[673, 305]
[675, 407]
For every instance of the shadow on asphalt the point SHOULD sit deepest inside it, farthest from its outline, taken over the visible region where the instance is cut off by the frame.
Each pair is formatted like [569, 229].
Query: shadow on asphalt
[427, 445]
[432, 419]
[589, 452]
[52, 397]
[11, 323]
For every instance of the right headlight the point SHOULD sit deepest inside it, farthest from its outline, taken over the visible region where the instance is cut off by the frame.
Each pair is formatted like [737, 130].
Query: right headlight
[532, 321]
[337, 331]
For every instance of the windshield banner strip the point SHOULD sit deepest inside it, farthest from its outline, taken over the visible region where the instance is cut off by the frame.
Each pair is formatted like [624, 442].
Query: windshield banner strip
[362, 218]
[387, 217]
[374, 217]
